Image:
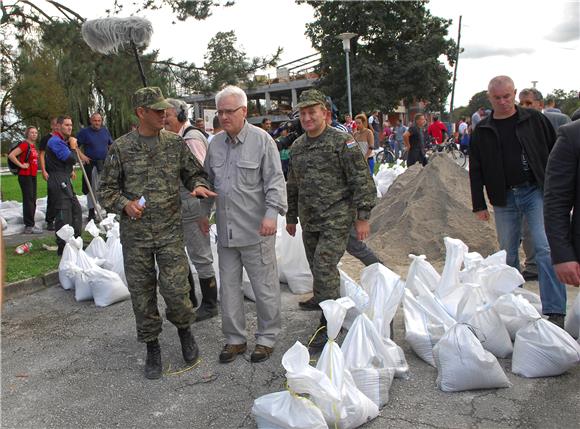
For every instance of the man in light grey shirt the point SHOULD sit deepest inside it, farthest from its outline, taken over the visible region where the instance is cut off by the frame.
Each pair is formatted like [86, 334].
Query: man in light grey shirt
[244, 165]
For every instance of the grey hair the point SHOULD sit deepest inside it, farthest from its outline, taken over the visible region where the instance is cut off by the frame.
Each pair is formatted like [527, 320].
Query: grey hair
[500, 80]
[233, 91]
[533, 92]
[178, 105]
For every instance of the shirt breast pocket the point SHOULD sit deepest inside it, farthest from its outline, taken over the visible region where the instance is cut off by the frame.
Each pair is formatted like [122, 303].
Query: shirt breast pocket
[249, 173]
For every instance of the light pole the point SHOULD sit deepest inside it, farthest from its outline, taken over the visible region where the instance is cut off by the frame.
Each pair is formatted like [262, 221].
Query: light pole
[345, 37]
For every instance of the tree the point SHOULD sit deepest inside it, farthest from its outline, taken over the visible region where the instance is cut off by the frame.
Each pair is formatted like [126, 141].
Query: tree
[395, 55]
[225, 64]
[566, 101]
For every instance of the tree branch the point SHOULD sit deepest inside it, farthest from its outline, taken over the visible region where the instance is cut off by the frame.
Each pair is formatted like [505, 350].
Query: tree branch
[63, 8]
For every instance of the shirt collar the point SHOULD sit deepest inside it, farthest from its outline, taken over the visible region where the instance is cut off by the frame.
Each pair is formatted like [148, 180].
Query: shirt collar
[58, 134]
[241, 137]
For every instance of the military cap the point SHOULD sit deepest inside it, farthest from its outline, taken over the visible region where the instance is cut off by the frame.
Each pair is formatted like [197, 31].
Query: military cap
[311, 98]
[150, 97]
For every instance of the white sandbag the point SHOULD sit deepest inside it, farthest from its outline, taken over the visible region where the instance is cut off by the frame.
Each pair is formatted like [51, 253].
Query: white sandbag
[422, 270]
[83, 291]
[67, 267]
[351, 289]
[463, 364]
[472, 300]
[97, 248]
[354, 408]
[374, 383]
[542, 349]
[455, 251]
[287, 409]
[114, 260]
[106, 286]
[293, 266]
[386, 291]
[498, 280]
[491, 331]
[515, 312]
[572, 324]
[436, 307]
[533, 298]
[422, 329]
[363, 347]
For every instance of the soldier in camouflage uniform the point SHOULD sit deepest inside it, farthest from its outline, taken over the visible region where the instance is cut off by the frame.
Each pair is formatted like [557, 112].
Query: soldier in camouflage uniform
[329, 188]
[151, 163]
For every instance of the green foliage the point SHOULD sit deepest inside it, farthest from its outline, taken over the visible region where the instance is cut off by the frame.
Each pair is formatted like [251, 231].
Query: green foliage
[567, 101]
[28, 265]
[478, 100]
[10, 189]
[394, 39]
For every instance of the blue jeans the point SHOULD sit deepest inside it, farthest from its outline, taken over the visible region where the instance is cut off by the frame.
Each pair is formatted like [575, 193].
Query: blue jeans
[527, 201]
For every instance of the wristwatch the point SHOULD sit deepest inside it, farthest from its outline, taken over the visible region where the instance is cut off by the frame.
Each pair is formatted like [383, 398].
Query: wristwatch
[363, 215]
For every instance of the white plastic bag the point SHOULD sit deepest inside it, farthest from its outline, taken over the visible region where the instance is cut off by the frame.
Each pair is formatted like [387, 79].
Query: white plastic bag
[97, 248]
[572, 324]
[422, 328]
[542, 349]
[351, 289]
[386, 291]
[515, 312]
[287, 410]
[423, 271]
[498, 280]
[354, 408]
[86, 265]
[106, 286]
[463, 364]
[533, 298]
[114, 260]
[455, 251]
[68, 267]
[293, 266]
[491, 331]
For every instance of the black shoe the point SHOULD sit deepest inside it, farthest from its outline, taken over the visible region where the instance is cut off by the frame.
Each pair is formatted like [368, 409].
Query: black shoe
[50, 226]
[309, 305]
[192, 296]
[529, 276]
[189, 347]
[230, 351]
[318, 340]
[557, 319]
[261, 353]
[153, 361]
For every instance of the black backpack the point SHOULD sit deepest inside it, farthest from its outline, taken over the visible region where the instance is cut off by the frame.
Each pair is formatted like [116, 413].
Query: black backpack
[14, 169]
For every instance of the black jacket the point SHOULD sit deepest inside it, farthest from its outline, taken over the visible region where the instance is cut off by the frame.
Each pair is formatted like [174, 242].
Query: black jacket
[535, 134]
[562, 194]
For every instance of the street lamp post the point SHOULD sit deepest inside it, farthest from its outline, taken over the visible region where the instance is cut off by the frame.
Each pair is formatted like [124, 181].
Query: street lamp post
[345, 37]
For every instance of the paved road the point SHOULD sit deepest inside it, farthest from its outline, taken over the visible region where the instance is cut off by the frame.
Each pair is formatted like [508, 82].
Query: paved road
[69, 364]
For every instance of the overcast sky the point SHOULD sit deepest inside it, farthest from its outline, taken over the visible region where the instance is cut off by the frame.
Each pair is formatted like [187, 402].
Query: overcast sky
[529, 40]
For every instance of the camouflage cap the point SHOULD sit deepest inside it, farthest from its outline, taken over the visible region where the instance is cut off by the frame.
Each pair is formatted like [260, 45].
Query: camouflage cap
[150, 97]
[311, 98]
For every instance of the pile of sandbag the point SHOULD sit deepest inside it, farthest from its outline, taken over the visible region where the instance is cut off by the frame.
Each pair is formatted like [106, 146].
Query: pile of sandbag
[84, 271]
[462, 321]
[387, 175]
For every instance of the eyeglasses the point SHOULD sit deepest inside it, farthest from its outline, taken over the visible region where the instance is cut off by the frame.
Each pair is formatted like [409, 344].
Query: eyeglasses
[228, 112]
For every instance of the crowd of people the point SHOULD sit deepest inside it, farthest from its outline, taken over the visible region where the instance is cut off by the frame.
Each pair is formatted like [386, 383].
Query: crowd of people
[317, 172]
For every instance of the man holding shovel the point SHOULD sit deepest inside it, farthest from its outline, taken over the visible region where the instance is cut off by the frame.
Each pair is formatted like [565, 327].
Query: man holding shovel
[140, 181]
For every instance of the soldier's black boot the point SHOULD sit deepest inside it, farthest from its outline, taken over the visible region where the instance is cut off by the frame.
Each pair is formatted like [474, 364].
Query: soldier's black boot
[189, 347]
[153, 361]
[320, 337]
[208, 307]
[192, 296]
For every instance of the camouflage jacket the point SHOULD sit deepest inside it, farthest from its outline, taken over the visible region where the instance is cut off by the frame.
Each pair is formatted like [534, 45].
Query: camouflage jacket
[328, 182]
[135, 168]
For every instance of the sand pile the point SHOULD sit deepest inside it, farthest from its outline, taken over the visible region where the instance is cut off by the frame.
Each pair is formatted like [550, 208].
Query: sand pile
[424, 205]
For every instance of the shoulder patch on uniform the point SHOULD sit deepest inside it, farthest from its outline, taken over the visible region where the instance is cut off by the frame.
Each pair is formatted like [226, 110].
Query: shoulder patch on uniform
[350, 144]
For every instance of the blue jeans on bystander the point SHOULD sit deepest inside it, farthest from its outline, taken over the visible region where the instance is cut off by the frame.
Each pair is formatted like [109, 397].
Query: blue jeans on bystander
[528, 202]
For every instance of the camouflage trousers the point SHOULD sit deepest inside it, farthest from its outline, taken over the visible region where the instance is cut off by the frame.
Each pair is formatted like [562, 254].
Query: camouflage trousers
[139, 262]
[323, 251]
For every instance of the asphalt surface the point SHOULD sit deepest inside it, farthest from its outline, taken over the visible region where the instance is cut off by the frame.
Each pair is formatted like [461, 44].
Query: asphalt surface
[68, 364]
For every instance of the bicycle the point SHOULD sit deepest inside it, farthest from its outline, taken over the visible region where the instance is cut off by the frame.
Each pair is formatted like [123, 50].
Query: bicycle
[450, 149]
[386, 154]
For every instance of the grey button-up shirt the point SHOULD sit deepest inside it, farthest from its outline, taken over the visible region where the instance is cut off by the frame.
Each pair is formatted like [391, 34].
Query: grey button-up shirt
[247, 175]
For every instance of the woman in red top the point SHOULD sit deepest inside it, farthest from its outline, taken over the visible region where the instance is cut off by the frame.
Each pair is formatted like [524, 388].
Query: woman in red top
[25, 156]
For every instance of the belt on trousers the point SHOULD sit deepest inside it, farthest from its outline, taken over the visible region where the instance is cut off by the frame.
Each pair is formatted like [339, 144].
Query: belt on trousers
[521, 185]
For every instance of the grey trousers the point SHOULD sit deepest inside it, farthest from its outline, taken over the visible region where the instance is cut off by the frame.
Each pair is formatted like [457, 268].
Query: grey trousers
[259, 260]
[359, 249]
[197, 244]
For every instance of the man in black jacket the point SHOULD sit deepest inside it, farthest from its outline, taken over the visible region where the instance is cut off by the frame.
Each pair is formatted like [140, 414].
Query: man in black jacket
[508, 154]
[562, 194]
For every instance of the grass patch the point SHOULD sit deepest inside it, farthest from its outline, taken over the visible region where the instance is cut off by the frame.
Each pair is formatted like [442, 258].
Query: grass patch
[10, 189]
[36, 263]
